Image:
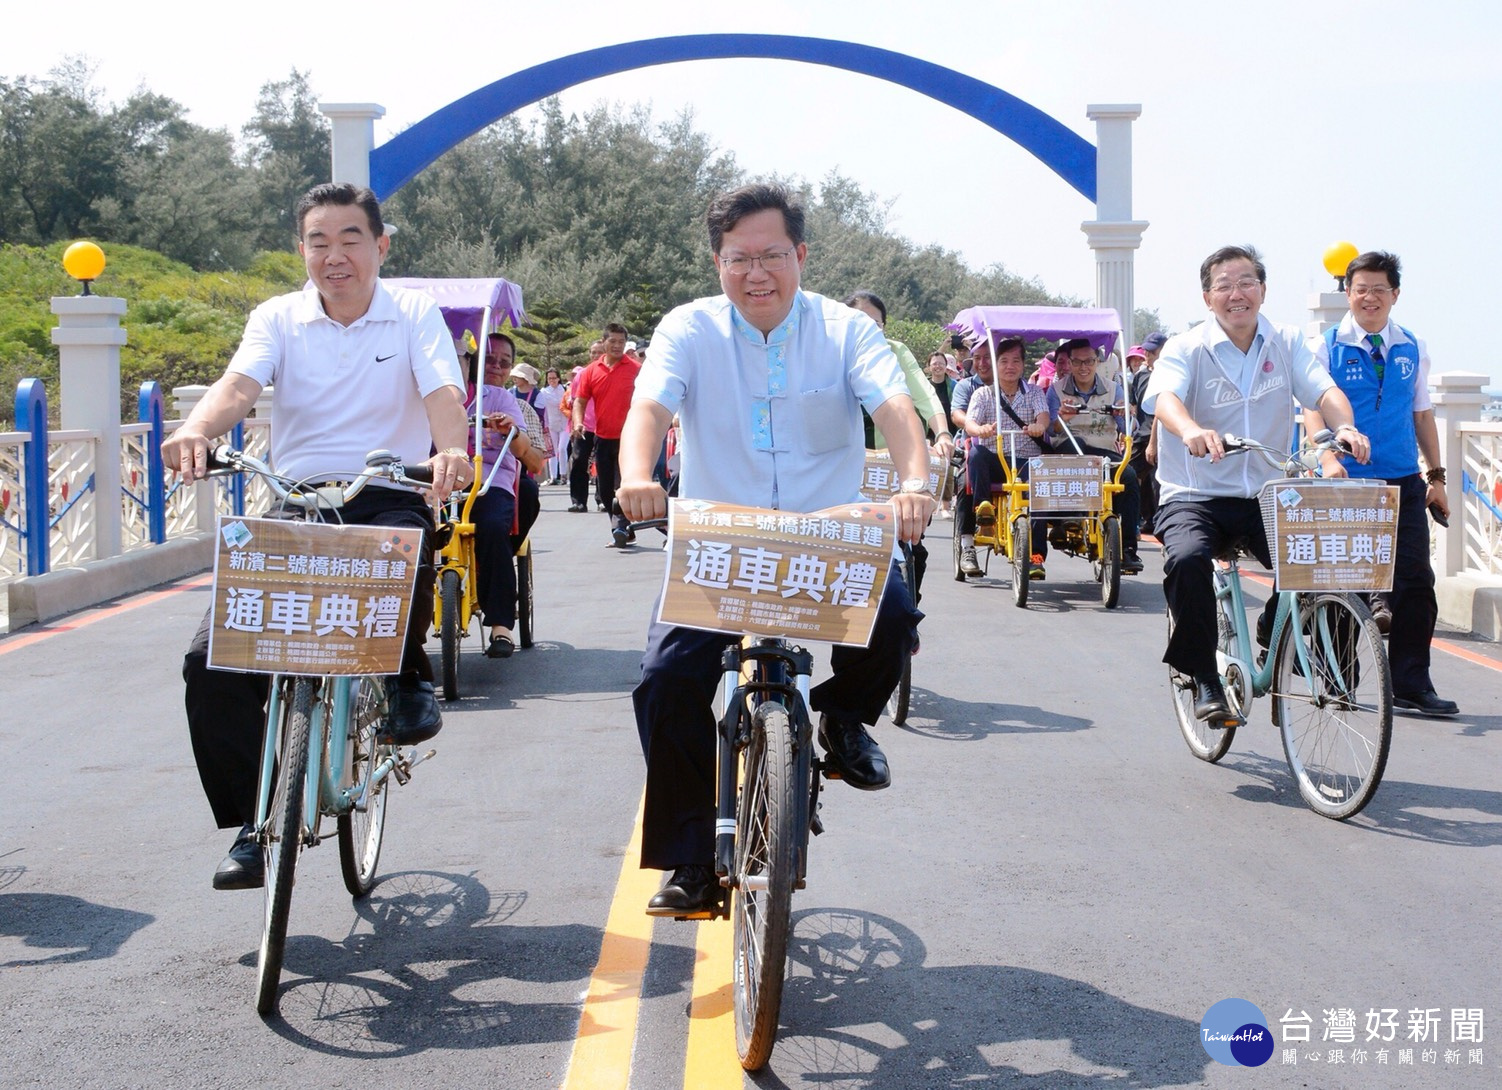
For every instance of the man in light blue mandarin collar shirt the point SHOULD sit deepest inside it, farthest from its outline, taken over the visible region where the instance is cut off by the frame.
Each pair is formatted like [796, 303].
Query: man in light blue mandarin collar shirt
[768, 382]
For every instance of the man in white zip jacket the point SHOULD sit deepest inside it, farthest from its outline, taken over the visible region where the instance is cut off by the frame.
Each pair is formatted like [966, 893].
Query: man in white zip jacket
[1236, 372]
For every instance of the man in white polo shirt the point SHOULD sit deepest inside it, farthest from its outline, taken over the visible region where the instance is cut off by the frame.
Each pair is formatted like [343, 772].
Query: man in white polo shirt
[768, 381]
[355, 366]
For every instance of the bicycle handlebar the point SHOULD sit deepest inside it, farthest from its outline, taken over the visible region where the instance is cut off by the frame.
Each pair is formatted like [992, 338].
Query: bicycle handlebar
[379, 464]
[1299, 461]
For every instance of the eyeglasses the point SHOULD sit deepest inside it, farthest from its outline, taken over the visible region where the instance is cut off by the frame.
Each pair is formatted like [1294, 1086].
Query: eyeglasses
[1081, 361]
[1376, 291]
[772, 263]
[1244, 285]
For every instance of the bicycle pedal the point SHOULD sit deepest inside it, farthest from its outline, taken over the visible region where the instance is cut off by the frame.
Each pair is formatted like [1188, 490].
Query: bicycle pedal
[1225, 722]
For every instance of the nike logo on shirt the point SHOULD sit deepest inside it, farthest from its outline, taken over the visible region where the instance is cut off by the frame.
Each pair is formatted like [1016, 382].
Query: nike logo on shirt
[383, 359]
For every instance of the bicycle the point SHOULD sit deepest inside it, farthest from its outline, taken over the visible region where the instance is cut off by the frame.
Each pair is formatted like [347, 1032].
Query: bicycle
[320, 756]
[457, 601]
[768, 778]
[1326, 671]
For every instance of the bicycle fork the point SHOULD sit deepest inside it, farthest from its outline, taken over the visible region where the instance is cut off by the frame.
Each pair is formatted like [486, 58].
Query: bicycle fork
[771, 663]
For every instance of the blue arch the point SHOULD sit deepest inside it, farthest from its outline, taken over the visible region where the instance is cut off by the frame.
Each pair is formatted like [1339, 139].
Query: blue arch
[1070, 156]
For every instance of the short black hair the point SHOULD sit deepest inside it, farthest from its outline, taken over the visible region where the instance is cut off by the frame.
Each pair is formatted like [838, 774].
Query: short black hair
[497, 335]
[614, 327]
[868, 297]
[1232, 253]
[1376, 261]
[728, 209]
[1076, 342]
[343, 194]
[1006, 344]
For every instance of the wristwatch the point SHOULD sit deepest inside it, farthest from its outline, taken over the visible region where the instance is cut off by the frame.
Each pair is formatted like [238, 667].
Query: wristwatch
[914, 484]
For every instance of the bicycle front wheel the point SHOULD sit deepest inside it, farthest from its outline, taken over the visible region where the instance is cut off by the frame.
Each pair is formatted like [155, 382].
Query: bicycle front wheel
[1336, 716]
[361, 829]
[761, 900]
[1110, 562]
[450, 598]
[1022, 559]
[282, 837]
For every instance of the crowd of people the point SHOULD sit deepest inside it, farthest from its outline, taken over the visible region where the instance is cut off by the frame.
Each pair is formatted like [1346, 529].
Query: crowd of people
[776, 393]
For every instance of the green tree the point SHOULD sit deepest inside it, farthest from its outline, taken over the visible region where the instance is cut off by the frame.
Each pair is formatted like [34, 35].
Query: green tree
[551, 339]
[642, 314]
[288, 150]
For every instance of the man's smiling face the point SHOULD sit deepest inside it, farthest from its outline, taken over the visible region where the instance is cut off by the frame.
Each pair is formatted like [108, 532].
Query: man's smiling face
[763, 298]
[1235, 295]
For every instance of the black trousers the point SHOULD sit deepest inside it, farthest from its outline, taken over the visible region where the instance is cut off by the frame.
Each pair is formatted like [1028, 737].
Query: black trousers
[227, 710]
[578, 475]
[675, 718]
[495, 578]
[608, 475]
[1412, 601]
[1192, 535]
[1147, 482]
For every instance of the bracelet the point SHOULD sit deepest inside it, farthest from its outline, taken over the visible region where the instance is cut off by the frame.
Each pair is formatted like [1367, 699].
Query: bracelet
[459, 451]
[1436, 475]
[1349, 427]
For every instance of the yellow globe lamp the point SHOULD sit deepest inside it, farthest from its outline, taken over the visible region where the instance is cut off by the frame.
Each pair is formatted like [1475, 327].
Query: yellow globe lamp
[84, 261]
[1338, 256]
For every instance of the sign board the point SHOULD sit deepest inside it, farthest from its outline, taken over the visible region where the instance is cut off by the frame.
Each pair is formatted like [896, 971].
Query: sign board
[816, 576]
[313, 598]
[881, 479]
[1331, 535]
[1073, 484]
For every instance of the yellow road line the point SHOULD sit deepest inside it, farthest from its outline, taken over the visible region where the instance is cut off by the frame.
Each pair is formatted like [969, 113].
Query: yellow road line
[601, 1059]
[711, 1060]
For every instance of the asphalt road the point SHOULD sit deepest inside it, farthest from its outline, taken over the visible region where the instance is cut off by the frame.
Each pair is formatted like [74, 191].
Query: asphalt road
[1052, 893]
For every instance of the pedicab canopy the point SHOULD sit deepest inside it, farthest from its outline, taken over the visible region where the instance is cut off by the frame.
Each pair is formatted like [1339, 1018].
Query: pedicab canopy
[1099, 325]
[469, 304]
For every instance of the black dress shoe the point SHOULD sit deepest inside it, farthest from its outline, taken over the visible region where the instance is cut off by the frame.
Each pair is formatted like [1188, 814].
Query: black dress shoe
[1131, 564]
[1210, 702]
[852, 755]
[243, 867]
[577, 508]
[414, 714]
[1427, 702]
[692, 889]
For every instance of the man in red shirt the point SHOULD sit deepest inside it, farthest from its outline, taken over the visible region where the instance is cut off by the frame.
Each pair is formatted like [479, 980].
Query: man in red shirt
[608, 383]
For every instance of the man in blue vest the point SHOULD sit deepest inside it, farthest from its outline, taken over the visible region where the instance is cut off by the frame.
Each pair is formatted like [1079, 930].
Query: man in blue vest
[1384, 371]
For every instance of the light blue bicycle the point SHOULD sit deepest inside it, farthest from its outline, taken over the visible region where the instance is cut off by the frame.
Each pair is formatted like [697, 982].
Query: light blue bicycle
[1327, 673]
[320, 757]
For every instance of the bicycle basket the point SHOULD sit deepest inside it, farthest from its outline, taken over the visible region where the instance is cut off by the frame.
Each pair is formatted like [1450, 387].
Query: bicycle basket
[1336, 534]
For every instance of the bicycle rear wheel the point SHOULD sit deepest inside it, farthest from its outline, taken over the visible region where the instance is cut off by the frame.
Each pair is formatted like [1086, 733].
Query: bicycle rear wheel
[282, 837]
[450, 598]
[959, 572]
[1337, 727]
[361, 829]
[524, 599]
[1204, 741]
[897, 703]
[761, 900]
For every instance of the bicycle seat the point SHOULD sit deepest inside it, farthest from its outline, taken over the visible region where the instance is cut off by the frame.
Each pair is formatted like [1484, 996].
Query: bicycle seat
[1233, 550]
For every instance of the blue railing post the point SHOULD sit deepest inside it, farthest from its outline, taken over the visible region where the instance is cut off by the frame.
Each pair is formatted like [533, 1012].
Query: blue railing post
[31, 416]
[236, 481]
[150, 409]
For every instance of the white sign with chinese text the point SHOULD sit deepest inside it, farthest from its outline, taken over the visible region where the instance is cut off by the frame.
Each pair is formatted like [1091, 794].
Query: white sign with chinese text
[881, 479]
[816, 576]
[311, 598]
[1066, 483]
[1332, 535]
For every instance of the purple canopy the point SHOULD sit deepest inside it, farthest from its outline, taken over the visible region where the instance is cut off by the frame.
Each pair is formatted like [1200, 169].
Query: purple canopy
[463, 302]
[1098, 325]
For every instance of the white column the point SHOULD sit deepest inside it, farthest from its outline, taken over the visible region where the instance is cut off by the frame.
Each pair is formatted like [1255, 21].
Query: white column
[88, 336]
[1326, 309]
[353, 138]
[1458, 399]
[1113, 234]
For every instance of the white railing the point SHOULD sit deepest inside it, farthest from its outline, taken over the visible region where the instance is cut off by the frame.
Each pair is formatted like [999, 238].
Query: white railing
[12, 511]
[1480, 486]
[70, 477]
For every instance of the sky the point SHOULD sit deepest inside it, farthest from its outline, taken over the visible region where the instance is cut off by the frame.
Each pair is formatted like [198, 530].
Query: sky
[1287, 124]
